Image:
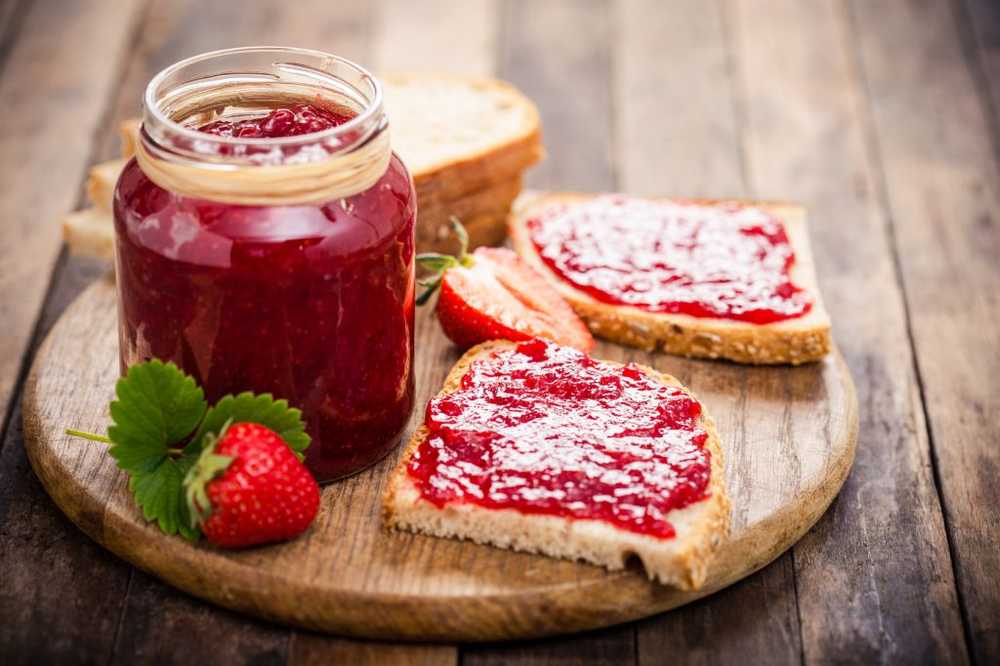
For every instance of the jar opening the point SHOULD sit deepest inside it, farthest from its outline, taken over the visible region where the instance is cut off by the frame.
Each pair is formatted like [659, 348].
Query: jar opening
[329, 164]
[249, 82]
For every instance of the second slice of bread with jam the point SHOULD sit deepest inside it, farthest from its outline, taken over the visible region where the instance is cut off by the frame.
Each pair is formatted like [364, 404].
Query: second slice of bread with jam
[557, 478]
[792, 340]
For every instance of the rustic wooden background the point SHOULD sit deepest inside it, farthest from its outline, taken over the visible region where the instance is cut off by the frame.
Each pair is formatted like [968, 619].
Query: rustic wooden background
[880, 115]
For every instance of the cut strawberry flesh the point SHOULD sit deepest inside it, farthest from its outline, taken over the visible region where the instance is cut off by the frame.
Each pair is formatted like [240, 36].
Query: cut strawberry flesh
[501, 297]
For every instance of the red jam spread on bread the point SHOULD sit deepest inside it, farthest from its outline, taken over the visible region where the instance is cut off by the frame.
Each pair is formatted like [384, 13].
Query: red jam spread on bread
[727, 260]
[312, 303]
[546, 429]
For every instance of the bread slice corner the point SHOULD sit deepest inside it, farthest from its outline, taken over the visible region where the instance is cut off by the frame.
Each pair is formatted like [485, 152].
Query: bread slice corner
[793, 341]
[681, 561]
[101, 184]
[90, 232]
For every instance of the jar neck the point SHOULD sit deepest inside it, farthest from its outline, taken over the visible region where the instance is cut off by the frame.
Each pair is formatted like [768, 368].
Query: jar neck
[242, 83]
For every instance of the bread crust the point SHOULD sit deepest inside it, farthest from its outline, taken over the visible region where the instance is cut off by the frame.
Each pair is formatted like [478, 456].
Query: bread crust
[483, 214]
[792, 341]
[681, 561]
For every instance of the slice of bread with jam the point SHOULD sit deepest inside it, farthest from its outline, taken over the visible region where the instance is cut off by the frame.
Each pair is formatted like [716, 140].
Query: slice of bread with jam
[790, 340]
[585, 460]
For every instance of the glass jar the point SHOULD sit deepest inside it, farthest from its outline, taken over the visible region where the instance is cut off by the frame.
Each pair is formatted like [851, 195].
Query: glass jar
[264, 288]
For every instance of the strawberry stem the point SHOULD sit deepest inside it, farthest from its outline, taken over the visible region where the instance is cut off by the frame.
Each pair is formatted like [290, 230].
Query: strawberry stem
[88, 435]
[107, 440]
[439, 264]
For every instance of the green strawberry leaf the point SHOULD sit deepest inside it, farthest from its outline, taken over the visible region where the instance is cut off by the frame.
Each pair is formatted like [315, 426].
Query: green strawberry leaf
[160, 493]
[157, 407]
[249, 408]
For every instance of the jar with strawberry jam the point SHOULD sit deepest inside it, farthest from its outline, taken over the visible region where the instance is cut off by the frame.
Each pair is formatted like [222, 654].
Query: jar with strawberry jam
[265, 243]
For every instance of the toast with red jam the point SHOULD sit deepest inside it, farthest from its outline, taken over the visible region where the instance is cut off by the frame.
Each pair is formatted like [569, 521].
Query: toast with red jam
[707, 279]
[537, 447]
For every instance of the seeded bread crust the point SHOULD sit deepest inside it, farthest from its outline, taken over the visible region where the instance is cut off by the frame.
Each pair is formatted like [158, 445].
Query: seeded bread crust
[793, 341]
[681, 562]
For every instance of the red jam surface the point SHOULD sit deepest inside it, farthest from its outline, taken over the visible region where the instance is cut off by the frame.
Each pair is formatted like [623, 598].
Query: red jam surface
[546, 429]
[311, 303]
[725, 261]
[292, 121]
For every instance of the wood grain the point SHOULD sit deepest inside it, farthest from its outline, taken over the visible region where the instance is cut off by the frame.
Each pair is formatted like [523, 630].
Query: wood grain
[60, 596]
[570, 81]
[980, 20]
[678, 133]
[435, 35]
[874, 578]
[877, 562]
[930, 130]
[48, 143]
[349, 576]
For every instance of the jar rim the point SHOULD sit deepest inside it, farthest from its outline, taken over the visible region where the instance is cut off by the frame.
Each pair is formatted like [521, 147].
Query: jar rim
[371, 109]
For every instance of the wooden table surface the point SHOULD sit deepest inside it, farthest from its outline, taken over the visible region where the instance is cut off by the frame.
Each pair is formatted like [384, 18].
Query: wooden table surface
[880, 115]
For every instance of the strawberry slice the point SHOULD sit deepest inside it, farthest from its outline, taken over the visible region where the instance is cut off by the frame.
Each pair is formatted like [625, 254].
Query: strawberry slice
[493, 294]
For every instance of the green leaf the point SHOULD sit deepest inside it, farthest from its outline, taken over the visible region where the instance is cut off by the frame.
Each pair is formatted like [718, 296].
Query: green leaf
[157, 407]
[208, 466]
[160, 493]
[249, 408]
[430, 286]
[157, 403]
[435, 262]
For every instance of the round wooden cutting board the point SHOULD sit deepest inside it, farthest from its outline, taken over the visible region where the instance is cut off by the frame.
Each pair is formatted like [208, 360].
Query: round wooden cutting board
[788, 437]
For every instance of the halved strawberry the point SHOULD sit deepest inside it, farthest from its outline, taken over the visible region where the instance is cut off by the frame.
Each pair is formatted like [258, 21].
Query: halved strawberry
[493, 294]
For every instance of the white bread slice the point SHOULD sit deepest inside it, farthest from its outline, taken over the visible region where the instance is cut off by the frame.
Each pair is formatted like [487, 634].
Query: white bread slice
[90, 232]
[792, 341]
[681, 561]
[459, 134]
[101, 184]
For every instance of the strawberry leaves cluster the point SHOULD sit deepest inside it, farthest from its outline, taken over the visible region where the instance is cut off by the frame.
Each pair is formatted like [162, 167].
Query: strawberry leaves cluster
[161, 422]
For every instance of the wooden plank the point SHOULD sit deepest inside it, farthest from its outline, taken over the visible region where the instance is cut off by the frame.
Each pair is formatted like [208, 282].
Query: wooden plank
[678, 133]
[874, 579]
[162, 626]
[980, 20]
[610, 646]
[315, 650]
[54, 90]
[10, 11]
[435, 35]
[570, 80]
[932, 133]
[60, 600]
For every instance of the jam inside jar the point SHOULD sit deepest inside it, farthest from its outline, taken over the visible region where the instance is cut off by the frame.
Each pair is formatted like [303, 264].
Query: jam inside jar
[312, 300]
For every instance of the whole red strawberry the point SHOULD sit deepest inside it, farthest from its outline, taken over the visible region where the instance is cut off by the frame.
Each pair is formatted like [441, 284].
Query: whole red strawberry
[494, 294]
[248, 488]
